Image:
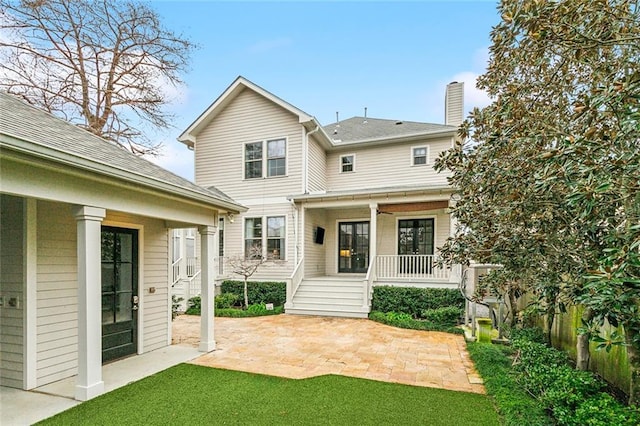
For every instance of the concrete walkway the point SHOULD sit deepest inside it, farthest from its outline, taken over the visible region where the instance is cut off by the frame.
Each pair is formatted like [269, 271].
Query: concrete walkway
[300, 346]
[18, 407]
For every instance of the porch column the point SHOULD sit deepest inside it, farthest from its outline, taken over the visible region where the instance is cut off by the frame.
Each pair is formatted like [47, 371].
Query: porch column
[456, 270]
[89, 381]
[209, 249]
[373, 232]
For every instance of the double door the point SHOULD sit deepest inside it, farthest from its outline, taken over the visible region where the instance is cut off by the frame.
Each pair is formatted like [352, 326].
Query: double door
[353, 247]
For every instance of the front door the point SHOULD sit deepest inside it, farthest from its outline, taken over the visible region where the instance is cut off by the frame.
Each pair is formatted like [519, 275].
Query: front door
[353, 249]
[415, 237]
[119, 292]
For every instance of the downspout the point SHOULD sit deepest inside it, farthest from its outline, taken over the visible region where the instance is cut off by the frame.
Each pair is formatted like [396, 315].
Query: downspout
[306, 158]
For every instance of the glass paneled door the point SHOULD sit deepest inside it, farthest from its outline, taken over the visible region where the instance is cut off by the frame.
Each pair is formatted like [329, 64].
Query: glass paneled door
[415, 245]
[119, 292]
[353, 248]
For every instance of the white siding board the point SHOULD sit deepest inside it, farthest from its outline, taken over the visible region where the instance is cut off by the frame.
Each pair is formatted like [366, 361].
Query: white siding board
[219, 149]
[317, 166]
[11, 283]
[386, 165]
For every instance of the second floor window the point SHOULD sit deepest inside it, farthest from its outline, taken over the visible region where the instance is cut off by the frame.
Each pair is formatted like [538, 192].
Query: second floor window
[419, 155]
[274, 162]
[347, 163]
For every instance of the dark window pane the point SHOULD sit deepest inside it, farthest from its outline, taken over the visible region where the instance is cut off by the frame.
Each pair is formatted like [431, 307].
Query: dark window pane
[275, 248]
[108, 242]
[107, 309]
[125, 277]
[108, 279]
[347, 163]
[253, 169]
[253, 151]
[123, 307]
[125, 243]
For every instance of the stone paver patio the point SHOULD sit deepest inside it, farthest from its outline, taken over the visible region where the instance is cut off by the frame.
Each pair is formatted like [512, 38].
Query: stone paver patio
[300, 346]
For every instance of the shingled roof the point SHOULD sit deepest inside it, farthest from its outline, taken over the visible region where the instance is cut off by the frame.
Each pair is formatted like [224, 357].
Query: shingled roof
[27, 123]
[358, 129]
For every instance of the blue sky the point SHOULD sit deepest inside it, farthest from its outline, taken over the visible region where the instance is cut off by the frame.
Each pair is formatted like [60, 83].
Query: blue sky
[395, 58]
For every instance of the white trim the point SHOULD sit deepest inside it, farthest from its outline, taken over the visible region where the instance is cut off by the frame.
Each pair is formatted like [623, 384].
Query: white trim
[140, 229]
[353, 163]
[413, 158]
[30, 294]
[264, 238]
[265, 158]
[170, 232]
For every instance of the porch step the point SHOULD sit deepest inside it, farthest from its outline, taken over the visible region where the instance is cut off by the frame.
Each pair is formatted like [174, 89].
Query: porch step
[329, 296]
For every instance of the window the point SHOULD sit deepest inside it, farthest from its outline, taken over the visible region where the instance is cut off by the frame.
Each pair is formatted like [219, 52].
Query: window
[253, 160]
[274, 240]
[419, 155]
[347, 163]
[276, 158]
[253, 237]
[275, 161]
[275, 237]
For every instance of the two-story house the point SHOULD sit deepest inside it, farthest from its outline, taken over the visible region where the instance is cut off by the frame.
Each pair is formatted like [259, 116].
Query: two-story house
[335, 209]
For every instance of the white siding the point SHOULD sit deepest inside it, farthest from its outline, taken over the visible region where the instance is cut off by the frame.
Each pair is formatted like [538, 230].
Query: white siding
[11, 285]
[317, 166]
[386, 165]
[155, 255]
[234, 241]
[315, 254]
[219, 149]
[57, 298]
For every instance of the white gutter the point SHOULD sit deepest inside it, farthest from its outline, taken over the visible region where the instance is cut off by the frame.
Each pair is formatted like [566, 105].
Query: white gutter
[45, 153]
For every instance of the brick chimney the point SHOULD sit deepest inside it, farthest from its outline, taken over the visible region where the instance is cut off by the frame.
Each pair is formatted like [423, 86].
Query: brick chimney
[454, 104]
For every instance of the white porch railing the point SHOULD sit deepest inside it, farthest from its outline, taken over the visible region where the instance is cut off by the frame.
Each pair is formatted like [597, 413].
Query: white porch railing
[191, 263]
[294, 280]
[410, 266]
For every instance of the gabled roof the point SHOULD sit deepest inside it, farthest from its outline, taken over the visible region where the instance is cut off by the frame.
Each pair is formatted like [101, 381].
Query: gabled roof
[361, 129]
[188, 136]
[30, 130]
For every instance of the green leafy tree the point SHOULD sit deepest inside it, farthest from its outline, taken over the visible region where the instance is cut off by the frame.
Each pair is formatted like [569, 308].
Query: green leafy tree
[549, 173]
[108, 66]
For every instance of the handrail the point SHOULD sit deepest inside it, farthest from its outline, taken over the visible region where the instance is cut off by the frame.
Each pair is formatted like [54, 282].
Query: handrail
[368, 284]
[294, 280]
[175, 268]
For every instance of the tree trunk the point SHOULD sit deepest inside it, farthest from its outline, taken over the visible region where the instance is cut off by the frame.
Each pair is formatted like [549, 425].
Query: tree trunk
[633, 354]
[246, 294]
[548, 324]
[582, 344]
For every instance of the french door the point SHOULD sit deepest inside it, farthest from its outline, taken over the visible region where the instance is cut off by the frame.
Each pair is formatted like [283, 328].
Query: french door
[415, 240]
[119, 292]
[353, 247]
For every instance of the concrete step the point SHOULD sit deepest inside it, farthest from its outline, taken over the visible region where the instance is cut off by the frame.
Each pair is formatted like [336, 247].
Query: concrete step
[319, 311]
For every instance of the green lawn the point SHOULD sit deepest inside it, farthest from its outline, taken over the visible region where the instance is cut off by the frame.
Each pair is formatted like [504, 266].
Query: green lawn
[194, 395]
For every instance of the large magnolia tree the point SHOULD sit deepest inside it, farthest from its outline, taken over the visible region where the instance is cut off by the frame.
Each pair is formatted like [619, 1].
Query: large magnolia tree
[549, 173]
[109, 66]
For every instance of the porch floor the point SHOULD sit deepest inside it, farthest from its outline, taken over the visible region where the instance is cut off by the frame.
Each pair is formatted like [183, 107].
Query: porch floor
[56, 397]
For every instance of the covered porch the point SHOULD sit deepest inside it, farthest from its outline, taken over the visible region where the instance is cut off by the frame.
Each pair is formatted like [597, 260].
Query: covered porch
[350, 243]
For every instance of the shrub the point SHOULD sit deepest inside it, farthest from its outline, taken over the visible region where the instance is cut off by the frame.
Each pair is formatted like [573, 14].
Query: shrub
[225, 300]
[514, 404]
[403, 320]
[253, 311]
[258, 292]
[193, 306]
[414, 301]
[573, 397]
[448, 315]
[175, 306]
[531, 334]
[604, 410]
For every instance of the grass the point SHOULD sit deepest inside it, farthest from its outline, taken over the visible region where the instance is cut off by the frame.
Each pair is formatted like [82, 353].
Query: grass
[515, 406]
[195, 395]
